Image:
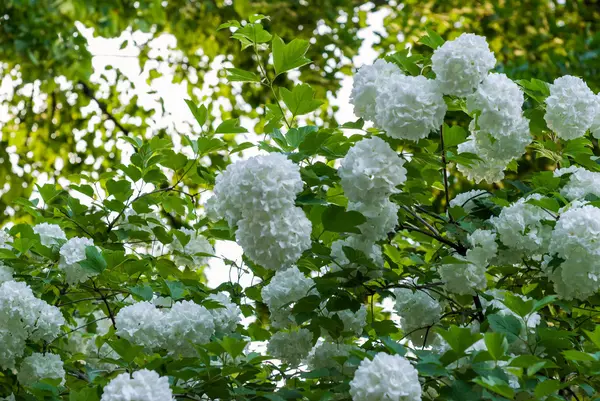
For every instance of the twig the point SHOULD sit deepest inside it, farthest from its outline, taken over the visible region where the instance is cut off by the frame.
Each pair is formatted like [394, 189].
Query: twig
[90, 93]
[445, 172]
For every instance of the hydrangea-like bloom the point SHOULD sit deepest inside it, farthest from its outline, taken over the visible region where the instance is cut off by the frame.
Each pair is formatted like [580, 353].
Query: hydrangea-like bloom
[141, 324]
[260, 184]
[382, 218]
[275, 240]
[498, 100]
[291, 346]
[372, 251]
[354, 322]
[187, 323]
[417, 309]
[463, 278]
[71, 253]
[466, 200]
[484, 247]
[368, 82]
[197, 244]
[488, 169]
[326, 355]
[371, 170]
[38, 366]
[4, 239]
[582, 182]
[146, 385]
[226, 318]
[385, 378]
[507, 144]
[50, 234]
[571, 107]
[6, 273]
[22, 317]
[461, 64]
[595, 128]
[410, 107]
[520, 226]
[287, 286]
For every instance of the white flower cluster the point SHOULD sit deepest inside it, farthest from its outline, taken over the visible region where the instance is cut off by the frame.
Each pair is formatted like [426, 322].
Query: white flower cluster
[291, 347]
[145, 385]
[197, 244]
[571, 107]
[368, 81]
[499, 132]
[6, 273]
[176, 328]
[582, 182]
[466, 200]
[326, 355]
[385, 378]
[4, 239]
[353, 322]
[38, 366]
[461, 64]
[24, 317]
[575, 240]
[286, 287]
[50, 234]
[370, 249]
[71, 253]
[418, 310]
[258, 196]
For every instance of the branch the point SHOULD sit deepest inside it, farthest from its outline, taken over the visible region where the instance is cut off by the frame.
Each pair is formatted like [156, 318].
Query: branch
[445, 171]
[90, 93]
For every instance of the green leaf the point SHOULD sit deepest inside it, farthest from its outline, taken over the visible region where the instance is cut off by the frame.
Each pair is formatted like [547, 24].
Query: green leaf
[432, 39]
[84, 394]
[143, 291]
[94, 261]
[548, 387]
[200, 113]
[506, 324]
[300, 100]
[496, 385]
[234, 347]
[336, 219]
[239, 75]
[459, 338]
[125, 349]
[295, 136]
[518, 305]
[290, 56]
[384, 327]
[594, 336]
[574, 355]
[546, 203]
[209, 145]
[496, 345]
[307, 304]
[231, 127]
[121, 189]
[406, 62]
[454, 135]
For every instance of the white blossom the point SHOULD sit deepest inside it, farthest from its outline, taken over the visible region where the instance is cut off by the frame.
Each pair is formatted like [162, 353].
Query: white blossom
[466, 200]
[372, 251]
[326, 355]
[353, 322]
[489, 168]
[463, 278]
[381, 215]
[226, 318]
[461, 64]
[5, 238]
[410, 107]
[507, 144]
[273, 240]
[6, 273]
[385, 378]
[50, 234]
[581, 182]
[38, 366]
[197, 244]
[417, 309]
[290, 346]
[141, 324]
[368, 82]
[145, 385]
[187, 323]
[595, 128]
[71, 253]
[371, 170]
[483, 247]
[571, 107]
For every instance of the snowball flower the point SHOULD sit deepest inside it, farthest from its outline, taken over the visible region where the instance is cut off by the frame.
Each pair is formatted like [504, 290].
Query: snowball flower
[582, 182]
[226, 318]
[38, 366]
[141, 324]
[417, 309]
[368, 82]
[382, 218]
[466, 200]
[371, 170]
[260, 184]
[571, 107]
[487, 169]
[146, 385]
[484, 247]
[461, 64]
[385, 378]
[290, 346]
[6, 273]
[520, 226]
[197, 244]
[354, 322]
[507, 144]
[273, 240]
[50, 234]
[326, 355]
[463, 278]
[410, 107]
[187, 323]
[595, 128]
[71, 253]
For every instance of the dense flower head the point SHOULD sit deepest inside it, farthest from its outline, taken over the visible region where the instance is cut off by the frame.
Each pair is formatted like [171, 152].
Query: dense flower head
[467, 200]
[385, 378]
[50, 234]
[368, 82]
[6, 273]
[326, 355]
[197, 244]
[595, 128]
[273, 240]
[286, 287]
[226, 318]
[290, 346]
[187, 323]
[463, 277]
[141, 324]
[520, 226]
[573, 278]
[371, 170]
[489, 168]
[38, 366]
[5, 238]
[483, 246]
[410, 107]
[259, 184]
[382, 218]
[71, 253]
[581, 182]
[144, 385]
[571, 107]
[506, 144]
[417, 309]
[461, 64]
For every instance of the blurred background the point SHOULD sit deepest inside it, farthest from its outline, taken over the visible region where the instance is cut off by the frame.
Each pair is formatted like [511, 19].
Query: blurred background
[78, 74]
